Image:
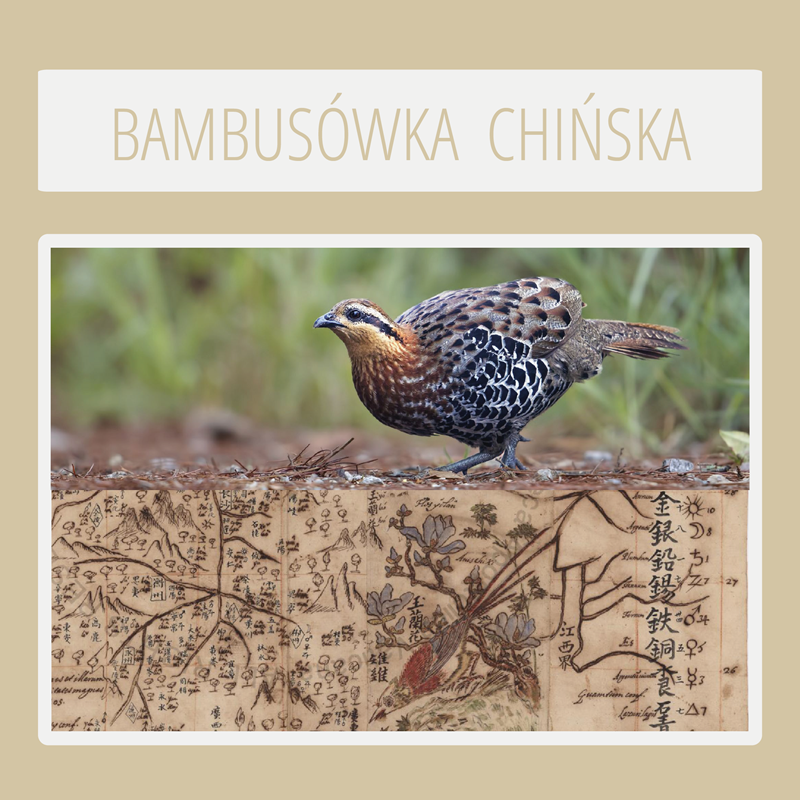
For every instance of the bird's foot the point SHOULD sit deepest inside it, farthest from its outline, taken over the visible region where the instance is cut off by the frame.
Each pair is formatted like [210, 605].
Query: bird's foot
[509, 459]
[514, 464]
[468, 462]
[466, 685]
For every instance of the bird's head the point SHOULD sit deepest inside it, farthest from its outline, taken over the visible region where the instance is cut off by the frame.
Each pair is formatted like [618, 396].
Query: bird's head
[365, 328]
[394, 696]
[527, 687]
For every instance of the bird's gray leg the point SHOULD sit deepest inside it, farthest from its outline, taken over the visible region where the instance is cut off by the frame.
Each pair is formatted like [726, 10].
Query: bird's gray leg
[509, 459]
[468, 462]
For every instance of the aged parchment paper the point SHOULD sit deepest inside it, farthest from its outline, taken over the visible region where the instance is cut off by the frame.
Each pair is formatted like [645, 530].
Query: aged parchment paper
[390, 610]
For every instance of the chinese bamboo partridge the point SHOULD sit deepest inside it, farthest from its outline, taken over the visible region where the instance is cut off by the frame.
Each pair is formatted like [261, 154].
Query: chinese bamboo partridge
[480, 364]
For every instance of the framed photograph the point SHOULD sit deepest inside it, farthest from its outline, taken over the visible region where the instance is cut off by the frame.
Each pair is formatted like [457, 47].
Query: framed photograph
[514, 495]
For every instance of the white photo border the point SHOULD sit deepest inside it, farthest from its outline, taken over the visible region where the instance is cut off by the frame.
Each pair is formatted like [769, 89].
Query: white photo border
[754, 532]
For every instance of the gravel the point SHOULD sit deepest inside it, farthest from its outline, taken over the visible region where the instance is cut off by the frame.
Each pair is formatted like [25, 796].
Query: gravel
[679, 466]
[546, 475]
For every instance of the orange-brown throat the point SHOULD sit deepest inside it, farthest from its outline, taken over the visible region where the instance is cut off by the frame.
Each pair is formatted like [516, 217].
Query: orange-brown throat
[384, 367]
[384, 343]
[388, 363]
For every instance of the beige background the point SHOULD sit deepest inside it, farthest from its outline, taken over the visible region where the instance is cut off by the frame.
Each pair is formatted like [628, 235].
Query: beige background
[51, 35]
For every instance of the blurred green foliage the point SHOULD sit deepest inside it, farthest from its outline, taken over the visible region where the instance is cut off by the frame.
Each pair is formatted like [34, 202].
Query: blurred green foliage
[143, 334]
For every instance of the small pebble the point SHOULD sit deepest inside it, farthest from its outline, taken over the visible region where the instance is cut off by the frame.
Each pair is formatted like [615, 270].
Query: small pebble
[546, 475]
[371, 479]
[717, 479]
[677, 465]
[596, 456]
[236, 468]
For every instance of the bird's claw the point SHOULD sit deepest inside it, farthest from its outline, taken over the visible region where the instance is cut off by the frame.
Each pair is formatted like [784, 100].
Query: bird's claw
[449, 468]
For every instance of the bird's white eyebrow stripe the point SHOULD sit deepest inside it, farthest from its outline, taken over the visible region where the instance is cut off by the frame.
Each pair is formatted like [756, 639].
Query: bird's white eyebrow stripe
[369, 311]
[372, 316]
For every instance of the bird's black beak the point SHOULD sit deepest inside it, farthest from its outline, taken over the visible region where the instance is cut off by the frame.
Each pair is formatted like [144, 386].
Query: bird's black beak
[328, 321]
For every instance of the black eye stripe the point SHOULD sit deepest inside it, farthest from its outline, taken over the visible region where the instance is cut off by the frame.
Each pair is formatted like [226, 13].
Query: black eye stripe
[376, 322]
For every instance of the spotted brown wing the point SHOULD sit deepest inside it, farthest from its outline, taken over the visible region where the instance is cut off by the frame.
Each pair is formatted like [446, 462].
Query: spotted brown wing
[539, 313]
[486, 349]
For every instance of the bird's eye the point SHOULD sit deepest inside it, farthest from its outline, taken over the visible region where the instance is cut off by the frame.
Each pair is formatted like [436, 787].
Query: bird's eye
[354, 314]
[388, 700]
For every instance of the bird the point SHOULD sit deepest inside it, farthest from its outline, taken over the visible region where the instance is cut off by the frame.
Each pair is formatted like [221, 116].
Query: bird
[423, 674]
[426, 671]
[479, 364]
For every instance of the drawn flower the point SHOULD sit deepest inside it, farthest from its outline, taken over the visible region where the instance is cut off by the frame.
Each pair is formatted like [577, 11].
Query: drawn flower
[516, 630]
[436, 622]
[444, 564]
[383, 607]
[394, 559]
[473, 580]
[436, 531]
[402, 512]
[399, 626]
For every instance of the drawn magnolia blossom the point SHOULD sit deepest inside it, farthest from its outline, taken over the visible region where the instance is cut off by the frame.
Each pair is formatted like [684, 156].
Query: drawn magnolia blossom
[395, 629]
[383, 607]
[515, 630]
[436, 533]
[393, 560]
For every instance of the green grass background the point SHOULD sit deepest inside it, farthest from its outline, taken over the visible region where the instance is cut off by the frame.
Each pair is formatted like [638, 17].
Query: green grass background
[147, 335]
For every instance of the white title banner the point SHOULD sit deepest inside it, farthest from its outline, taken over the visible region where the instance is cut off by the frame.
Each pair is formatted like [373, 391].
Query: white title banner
[400, 131]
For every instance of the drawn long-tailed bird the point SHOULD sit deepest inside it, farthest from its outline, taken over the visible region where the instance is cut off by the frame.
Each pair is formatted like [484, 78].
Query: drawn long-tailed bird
[431, 668]
[480, 364]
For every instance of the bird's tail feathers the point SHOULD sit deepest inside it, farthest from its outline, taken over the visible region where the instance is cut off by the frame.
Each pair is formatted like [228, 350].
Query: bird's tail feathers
[638, 339]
